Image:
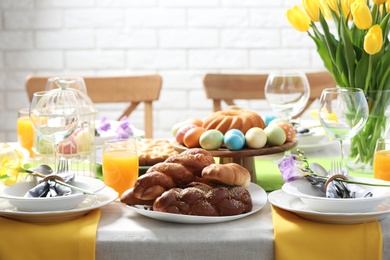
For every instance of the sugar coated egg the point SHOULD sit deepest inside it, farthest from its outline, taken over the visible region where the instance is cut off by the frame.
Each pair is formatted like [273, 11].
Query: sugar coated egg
[275, 135]
[234, 139]
[211, 139]
[255, 138]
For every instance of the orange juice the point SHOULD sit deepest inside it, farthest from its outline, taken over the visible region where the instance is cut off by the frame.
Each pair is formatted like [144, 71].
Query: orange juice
[381, 165]
[120, 169]
[25, 133]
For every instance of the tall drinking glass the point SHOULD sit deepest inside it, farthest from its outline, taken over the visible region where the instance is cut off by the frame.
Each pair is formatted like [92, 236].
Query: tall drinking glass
[343, 112]
[25, 130]
[287, 93]
[382, 159]
[120, 164]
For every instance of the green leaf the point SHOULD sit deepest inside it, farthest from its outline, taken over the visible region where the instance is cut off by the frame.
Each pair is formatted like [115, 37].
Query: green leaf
[349, 54]
[362, 71]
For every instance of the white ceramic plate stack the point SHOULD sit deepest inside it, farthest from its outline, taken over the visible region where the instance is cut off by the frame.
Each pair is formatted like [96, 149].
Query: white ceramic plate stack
[305, 200]
[14, 205]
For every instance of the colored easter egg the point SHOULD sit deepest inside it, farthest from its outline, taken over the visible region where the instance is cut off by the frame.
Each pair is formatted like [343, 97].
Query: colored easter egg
[211, 139]
[275, 135]
[288, 129]
[234, 139]
[192, 137]
[182, 131]
[255, 138]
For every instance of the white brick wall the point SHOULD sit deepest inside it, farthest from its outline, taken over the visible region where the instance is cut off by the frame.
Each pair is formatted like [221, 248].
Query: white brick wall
[179, 39]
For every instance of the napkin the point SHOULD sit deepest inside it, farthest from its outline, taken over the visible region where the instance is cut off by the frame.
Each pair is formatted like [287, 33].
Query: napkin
[297, 238]
[72, 239]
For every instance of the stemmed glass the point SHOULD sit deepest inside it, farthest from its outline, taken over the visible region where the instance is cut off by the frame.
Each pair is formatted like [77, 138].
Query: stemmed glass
[54, 115]
[287, 93]
[343, 112]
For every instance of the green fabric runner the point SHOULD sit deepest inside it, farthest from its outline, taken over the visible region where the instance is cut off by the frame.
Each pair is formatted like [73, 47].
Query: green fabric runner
[267, 172]
[270, 178]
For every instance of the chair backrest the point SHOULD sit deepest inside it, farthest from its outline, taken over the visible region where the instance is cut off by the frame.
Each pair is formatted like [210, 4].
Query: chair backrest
[230, 87]
[133, 89]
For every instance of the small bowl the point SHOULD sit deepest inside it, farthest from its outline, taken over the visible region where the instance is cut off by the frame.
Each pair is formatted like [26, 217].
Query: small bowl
[316, 200]
[15, 195]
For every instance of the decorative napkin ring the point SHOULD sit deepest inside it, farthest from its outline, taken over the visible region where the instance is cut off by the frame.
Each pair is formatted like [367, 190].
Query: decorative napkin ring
[334, 177]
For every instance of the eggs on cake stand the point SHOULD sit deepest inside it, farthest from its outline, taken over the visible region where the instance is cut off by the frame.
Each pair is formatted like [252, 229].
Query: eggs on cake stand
[235, 136]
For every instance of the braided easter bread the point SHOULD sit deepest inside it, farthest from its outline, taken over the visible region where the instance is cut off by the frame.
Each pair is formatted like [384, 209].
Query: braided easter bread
[177, 171]
[202, 201]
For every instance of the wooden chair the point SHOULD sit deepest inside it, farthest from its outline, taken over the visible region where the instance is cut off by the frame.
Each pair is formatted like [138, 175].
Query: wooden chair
[133, 89]
[230, 87]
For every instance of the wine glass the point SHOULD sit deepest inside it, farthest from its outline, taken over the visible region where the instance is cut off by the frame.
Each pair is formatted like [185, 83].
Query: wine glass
[287, 93]
[343, 112]
[54, 115]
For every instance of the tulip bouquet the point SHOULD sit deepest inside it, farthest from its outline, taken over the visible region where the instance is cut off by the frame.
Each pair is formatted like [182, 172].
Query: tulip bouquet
[356, 52]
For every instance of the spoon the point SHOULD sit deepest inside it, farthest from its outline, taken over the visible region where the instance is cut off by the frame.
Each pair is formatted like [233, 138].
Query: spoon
[319, 169]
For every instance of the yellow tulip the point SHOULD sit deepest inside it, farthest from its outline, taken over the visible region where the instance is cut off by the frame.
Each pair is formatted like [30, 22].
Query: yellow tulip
[373, 40]
[379, 2]
[312, 9]
[361, 14]
[333, 5]
[388, 6]
[298, 19]
[325, 10]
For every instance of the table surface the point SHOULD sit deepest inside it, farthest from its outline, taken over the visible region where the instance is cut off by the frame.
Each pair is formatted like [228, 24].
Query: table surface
[124, 234]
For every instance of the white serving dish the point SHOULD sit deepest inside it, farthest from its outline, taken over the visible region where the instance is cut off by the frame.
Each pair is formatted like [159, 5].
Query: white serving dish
[15, 196]
[316, 200]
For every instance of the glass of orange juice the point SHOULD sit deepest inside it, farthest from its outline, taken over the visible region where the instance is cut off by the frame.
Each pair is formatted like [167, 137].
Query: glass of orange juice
[120, 164]
[382, 159]
[25, 130]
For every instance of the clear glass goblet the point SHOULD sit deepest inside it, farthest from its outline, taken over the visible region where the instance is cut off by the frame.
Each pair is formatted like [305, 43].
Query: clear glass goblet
[343, 112]
[287, 93]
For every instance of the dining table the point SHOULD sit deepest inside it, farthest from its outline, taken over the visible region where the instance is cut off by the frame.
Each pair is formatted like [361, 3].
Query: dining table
[124, 234]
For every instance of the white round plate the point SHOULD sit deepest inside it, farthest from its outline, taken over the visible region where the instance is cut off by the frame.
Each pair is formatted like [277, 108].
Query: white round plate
[293, 204]
[316, 200]
[15, 196]
[100, 199]
[259, 199]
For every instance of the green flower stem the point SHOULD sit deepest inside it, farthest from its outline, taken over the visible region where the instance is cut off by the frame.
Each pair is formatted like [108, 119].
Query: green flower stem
[356, 182]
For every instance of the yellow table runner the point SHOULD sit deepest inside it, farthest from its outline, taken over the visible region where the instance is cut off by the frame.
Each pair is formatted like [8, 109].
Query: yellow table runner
[297, 238]
[73, 239]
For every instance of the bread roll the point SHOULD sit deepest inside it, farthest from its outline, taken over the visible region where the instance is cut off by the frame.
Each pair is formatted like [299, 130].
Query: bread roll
[231, 174]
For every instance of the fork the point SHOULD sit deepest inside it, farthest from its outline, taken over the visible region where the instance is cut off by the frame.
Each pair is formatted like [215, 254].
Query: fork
[63, 165]
[339, 186]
